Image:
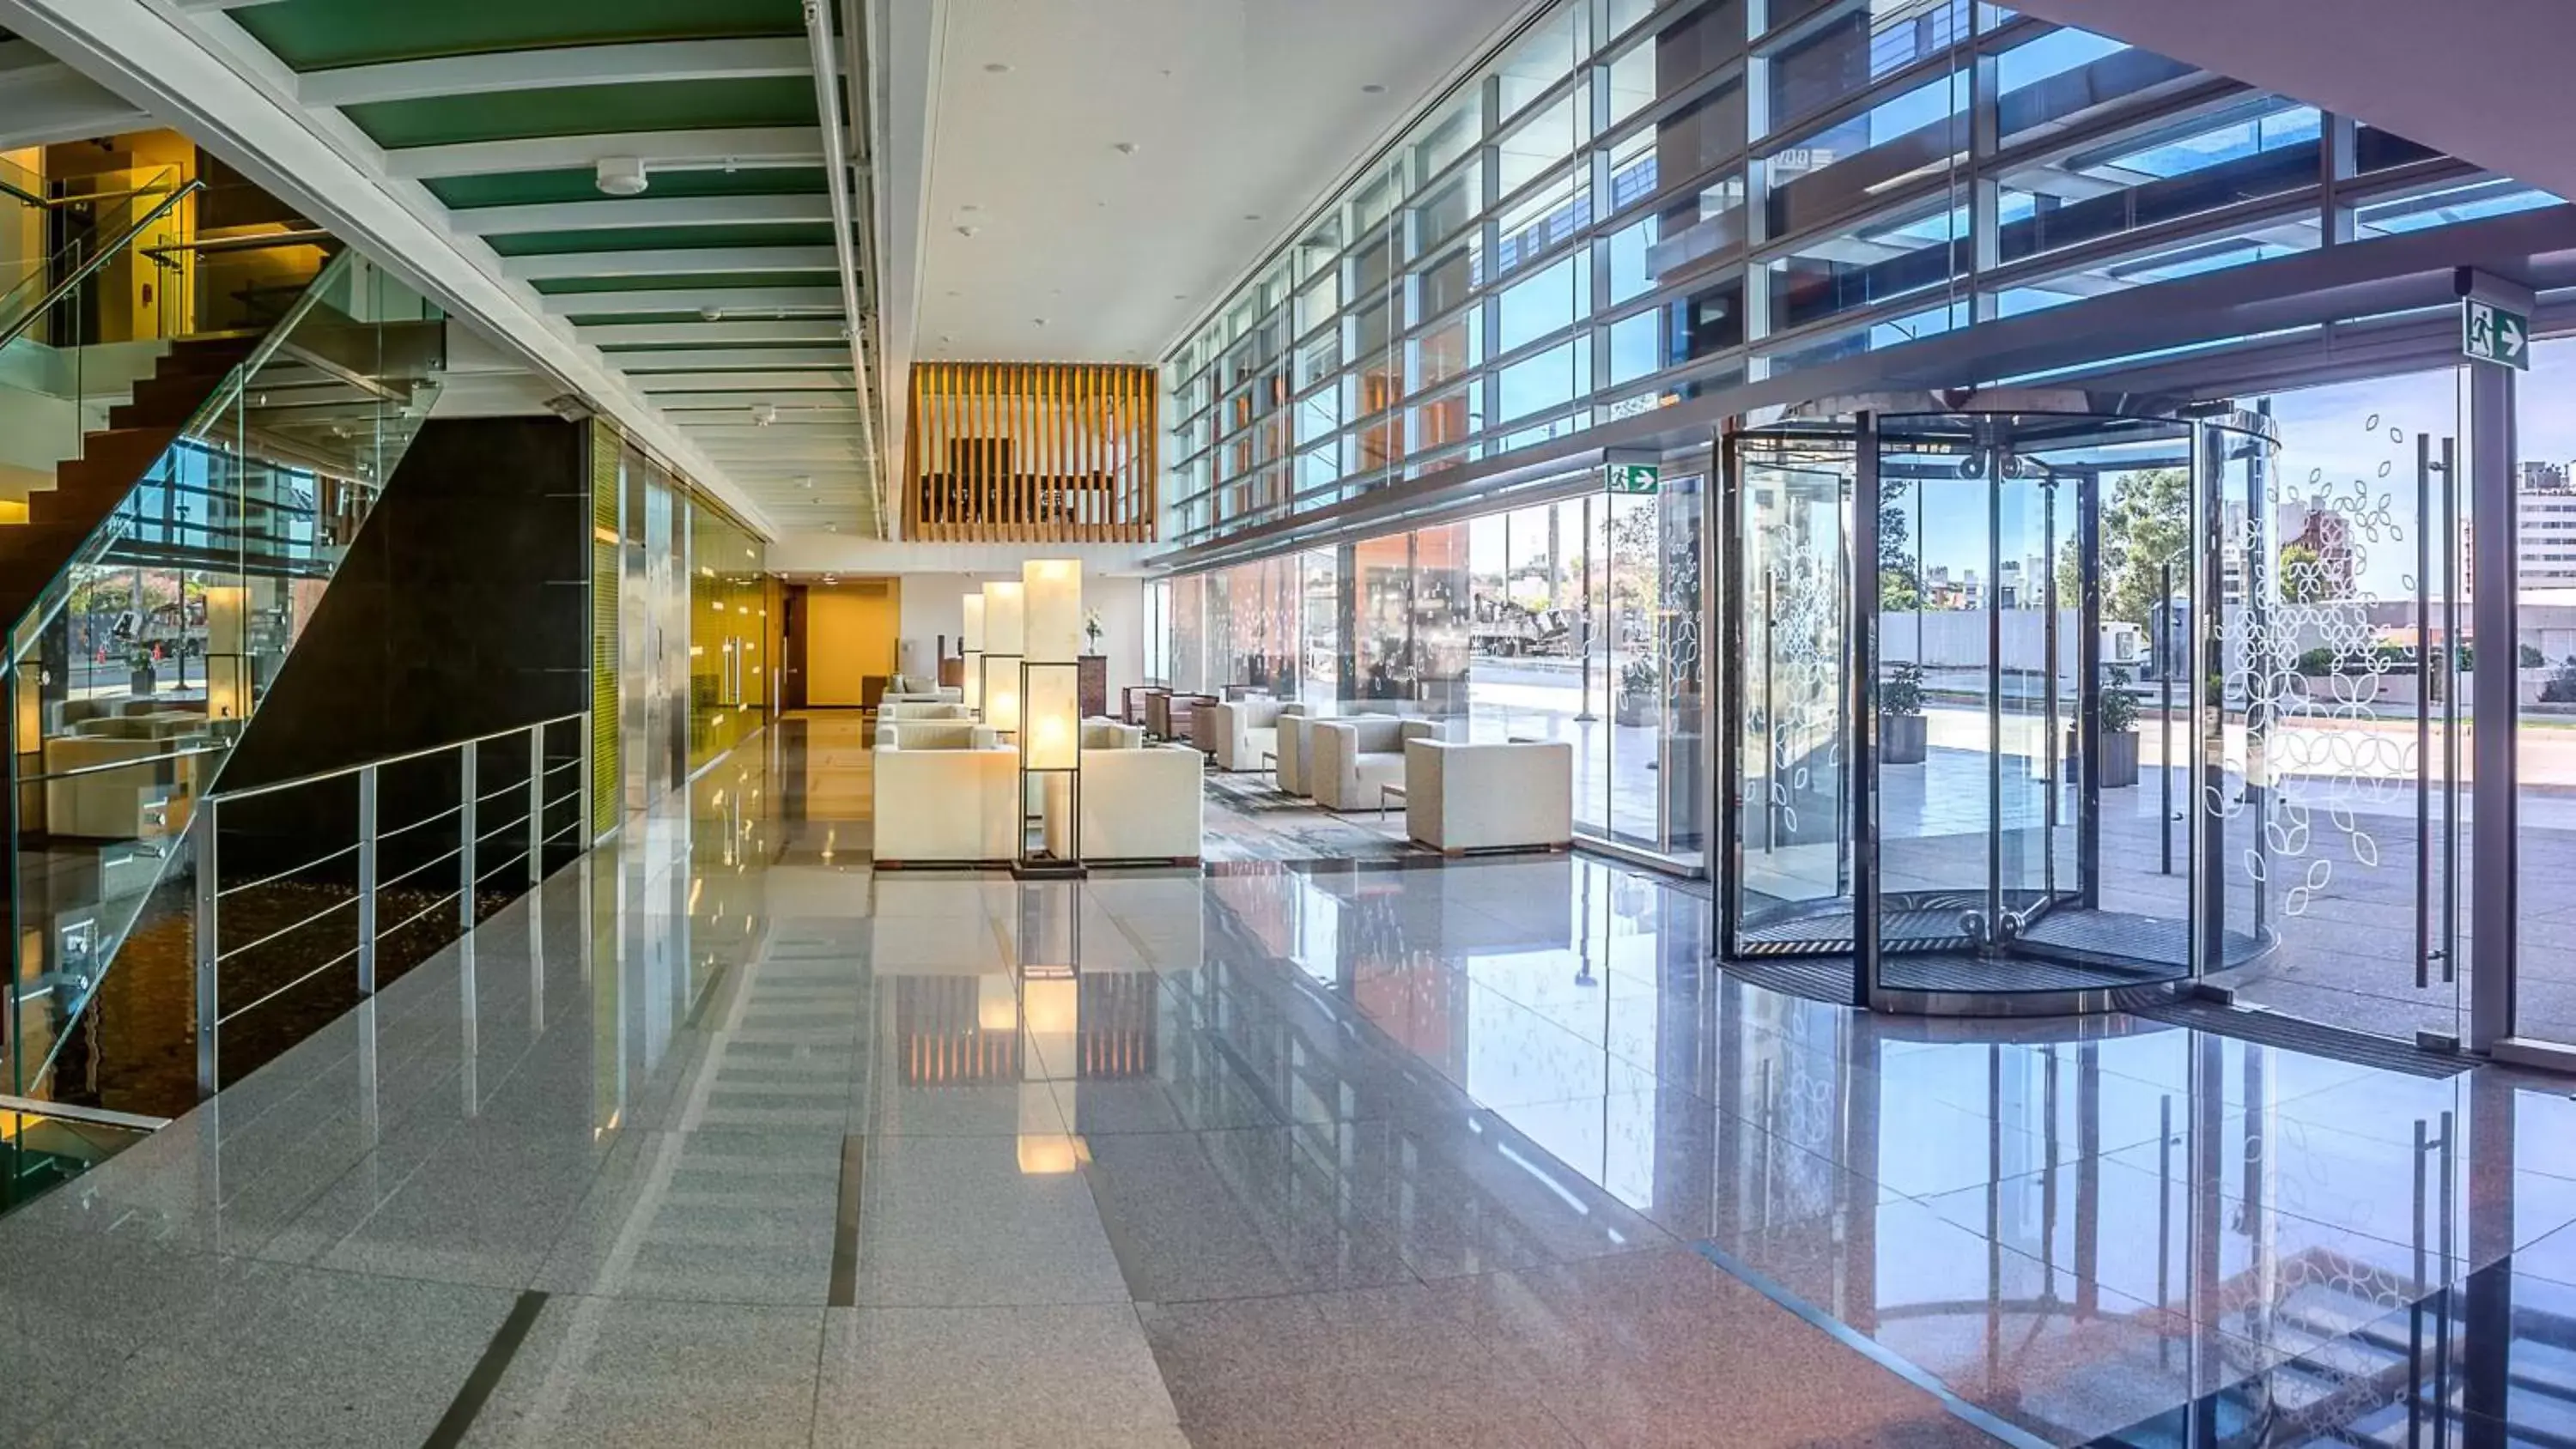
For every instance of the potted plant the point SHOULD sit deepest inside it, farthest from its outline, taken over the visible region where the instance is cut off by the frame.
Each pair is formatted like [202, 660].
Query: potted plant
[140, 682]
[2119, 732]
[1901, 732]
[1636, 702]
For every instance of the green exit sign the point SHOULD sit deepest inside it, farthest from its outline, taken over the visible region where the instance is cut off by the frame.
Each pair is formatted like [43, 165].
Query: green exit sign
[2489, 333]
[1636, 478]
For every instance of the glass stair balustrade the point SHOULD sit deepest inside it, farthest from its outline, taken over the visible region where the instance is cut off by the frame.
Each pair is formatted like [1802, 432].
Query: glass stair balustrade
[154, 594]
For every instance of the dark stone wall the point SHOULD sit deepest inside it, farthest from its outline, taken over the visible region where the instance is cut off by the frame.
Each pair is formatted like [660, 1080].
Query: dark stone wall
[461, 610]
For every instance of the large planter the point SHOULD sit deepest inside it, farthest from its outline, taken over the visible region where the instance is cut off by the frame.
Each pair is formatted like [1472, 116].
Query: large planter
[1635, 710]
[140, 682]
[2119, 756]
[1902, 739]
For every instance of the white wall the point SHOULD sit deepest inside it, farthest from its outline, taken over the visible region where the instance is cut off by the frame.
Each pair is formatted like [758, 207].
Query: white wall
[933, 605]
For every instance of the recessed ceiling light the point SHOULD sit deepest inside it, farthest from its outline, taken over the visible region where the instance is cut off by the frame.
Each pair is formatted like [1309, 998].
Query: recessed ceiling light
[969, 206]
[1252, 216]
[1180, 296]
[946, 337]
[1372, 89]
[967, 230]
[996, 67]
[1040, 321]
[1125, 148]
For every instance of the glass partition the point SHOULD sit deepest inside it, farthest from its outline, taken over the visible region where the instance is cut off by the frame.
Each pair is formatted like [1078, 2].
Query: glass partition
[1576, 620]
[138, 662]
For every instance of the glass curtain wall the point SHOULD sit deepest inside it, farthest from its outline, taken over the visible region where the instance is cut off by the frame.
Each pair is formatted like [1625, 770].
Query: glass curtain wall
[1576, 620]
[1630, 202]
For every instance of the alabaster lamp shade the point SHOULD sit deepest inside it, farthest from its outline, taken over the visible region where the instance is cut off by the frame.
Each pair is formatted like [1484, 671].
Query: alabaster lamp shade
[1004, 618]
[1002, 692]
[1052, 720]
[1051, 591]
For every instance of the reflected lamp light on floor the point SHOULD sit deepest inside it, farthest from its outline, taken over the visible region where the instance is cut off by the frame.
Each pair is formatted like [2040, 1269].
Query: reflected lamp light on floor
[1049, 706]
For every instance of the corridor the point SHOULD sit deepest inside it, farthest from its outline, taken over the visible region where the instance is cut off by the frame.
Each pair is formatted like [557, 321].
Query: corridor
[722, 1138]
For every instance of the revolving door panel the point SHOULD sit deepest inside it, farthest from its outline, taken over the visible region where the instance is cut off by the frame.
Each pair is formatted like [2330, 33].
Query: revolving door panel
[1787, 575]
[1936, 743]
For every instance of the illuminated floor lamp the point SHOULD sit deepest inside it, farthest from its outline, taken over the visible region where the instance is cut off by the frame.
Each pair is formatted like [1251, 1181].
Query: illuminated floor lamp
[1050, 713]
[970, 649]
[1002, 617]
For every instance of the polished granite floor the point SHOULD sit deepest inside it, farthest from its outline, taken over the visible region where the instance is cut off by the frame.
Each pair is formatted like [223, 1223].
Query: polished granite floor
[721, 1138]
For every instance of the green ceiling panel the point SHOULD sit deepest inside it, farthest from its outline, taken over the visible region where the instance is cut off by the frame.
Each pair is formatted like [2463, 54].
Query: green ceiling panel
[536, 188]
[315, 34]
[644, 238]
[565, 286]
[783, 100]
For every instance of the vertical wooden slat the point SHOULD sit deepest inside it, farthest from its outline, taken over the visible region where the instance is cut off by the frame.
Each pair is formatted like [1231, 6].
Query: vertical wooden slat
[939, 459]
[979, 493]
[1134, 475]
[1126, 440]
[1023, 488]
[1150, 511]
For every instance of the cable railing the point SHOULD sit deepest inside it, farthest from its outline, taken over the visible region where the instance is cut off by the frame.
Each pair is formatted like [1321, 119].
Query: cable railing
[439, 835]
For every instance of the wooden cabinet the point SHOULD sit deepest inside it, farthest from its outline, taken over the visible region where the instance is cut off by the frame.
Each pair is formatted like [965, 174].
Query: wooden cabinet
[1094, 685]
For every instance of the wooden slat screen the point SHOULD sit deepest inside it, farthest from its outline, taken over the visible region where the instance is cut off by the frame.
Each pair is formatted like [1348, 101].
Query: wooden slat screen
[1032, 452]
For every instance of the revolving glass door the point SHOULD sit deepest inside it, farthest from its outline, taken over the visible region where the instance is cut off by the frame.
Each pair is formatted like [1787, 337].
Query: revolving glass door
[1951, 710]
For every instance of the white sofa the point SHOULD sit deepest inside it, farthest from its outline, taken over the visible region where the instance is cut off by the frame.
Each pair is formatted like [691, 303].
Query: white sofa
[1140, 801]
[1460, 797]
[1347, 760]
[1247, 729]
[946, 791]
[892, 708]
[918, 689]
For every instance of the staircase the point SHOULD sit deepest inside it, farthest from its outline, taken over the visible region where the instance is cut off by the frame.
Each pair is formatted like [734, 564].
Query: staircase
[112, 461]
[207, 511]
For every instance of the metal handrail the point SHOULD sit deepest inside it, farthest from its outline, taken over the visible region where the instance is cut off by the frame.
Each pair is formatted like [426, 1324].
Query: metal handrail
[82, 273]
[473, 868]
[421, 754]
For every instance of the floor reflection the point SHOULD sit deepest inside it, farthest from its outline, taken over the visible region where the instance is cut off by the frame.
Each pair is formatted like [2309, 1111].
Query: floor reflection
[1480, 1153]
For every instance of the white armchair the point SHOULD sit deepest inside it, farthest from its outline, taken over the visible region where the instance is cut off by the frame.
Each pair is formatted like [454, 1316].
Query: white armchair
[1140, 802]
[1348, 760]
[946, 792]
[1247, 729]
[1489, 797]
[1295, 747]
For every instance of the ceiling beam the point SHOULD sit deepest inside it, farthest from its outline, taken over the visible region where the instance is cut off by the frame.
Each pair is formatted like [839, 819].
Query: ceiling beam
[679, 405]
[712, 359]
[740, 146]
[555, 66]
[43, 101]
[698, 299]
[653, 384]
[620, 213]
[671, 262]
[797, 329]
